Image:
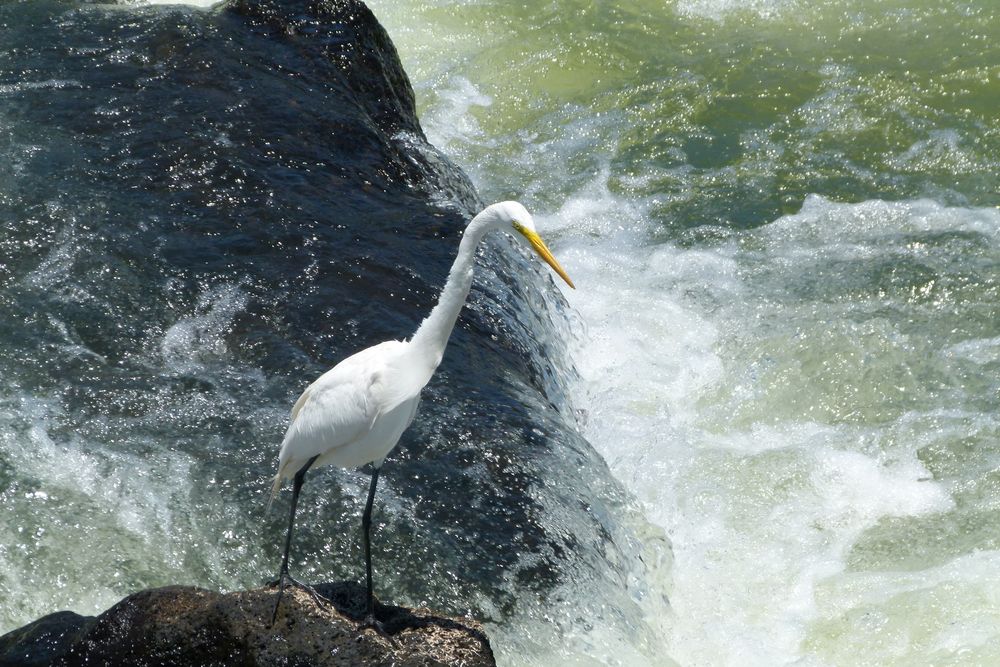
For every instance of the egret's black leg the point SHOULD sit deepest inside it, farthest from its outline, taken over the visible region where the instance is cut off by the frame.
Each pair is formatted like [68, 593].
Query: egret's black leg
[283, 575]
[366, 525]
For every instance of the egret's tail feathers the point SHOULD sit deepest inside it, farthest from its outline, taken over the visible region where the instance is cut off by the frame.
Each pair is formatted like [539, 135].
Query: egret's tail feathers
[275, 487]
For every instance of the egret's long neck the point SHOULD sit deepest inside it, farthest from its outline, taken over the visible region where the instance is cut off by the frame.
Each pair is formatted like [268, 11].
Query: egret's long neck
[432, 335]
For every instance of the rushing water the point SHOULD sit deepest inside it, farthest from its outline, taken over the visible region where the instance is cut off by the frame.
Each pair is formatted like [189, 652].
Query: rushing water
[782, 223]
[781, 218]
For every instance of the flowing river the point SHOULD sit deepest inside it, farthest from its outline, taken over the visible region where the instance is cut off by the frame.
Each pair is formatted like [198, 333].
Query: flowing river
[782, 220]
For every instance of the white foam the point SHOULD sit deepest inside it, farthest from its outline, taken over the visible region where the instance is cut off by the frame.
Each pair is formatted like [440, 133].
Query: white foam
[719, 10]
[201, 4]
[942, 150]
[97, 505]
[822, 224]
[200, 338]
[55, 269]
[47, 84]
[980, 350]
[88, 510]
[453, 121]
[944, 613]
[763, 506]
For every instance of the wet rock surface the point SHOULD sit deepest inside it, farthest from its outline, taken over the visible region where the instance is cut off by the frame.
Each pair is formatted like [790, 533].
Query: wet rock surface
[181, 625]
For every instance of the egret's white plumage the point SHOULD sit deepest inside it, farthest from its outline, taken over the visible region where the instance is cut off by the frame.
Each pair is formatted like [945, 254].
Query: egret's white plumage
[356, 412]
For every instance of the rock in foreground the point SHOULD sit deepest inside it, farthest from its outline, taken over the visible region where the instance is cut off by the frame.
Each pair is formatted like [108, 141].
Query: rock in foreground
[181, 625]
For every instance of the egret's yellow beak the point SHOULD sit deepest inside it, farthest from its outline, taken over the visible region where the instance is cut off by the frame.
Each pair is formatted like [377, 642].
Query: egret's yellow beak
[543, 251]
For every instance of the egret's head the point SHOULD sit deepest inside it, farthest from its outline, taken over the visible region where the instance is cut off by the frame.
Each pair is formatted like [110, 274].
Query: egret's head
[524, 231]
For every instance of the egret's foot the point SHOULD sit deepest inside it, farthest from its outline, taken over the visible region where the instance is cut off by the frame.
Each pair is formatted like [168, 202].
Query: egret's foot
[373, 623]
[280, 583]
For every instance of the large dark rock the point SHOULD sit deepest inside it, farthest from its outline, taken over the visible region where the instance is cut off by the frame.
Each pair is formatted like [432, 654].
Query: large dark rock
[347, 34]
[205, 210]
[42, 642]
[182, 625]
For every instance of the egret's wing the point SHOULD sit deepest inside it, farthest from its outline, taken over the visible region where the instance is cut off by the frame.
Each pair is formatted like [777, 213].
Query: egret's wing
[299, 403]
[335, 410]
[342, 405]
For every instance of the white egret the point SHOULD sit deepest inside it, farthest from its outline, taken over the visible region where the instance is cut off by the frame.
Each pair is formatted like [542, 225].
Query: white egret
[356, 412]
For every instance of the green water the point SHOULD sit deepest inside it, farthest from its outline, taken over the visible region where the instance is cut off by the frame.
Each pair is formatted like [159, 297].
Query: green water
[782, 222]
[703, 109]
